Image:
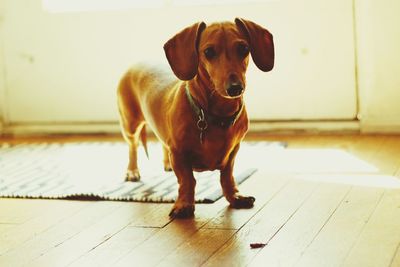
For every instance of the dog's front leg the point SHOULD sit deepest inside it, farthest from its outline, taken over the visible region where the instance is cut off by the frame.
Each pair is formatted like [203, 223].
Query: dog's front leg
[184, 205]
[229, 187]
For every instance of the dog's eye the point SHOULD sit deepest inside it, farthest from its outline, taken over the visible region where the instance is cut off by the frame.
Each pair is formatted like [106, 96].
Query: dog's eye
[243, 50]
[210, 53]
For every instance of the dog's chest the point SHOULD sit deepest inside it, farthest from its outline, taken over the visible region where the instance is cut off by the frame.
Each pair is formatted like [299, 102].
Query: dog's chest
[213, 153]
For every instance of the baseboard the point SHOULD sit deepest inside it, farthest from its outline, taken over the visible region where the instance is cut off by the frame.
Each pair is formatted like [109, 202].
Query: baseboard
[255, 126]
[380, 126]
[306, 126]
[65, 128]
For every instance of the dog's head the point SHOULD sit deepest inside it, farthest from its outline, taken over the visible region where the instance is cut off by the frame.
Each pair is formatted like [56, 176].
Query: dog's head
[220, 53]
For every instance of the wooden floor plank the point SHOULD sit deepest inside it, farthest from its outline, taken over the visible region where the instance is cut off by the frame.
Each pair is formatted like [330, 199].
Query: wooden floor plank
[379, 241]
[382, 232]
[153, 215]
[365, 147]
[197, 248]
[396, 259]
[387, 158]
[263, 226]
[57, 234]
[286, 248]
[14, 210]
[263, 187]
[55, 212]
[332, 243]
[161, 244]
[100, 231]
[324, 156]
[108, 253]
[4, 228]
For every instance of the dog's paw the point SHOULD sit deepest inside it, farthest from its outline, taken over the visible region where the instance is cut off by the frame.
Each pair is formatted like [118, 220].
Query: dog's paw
[132, 176]
[167, 168]
[183, 212]
[242, 202]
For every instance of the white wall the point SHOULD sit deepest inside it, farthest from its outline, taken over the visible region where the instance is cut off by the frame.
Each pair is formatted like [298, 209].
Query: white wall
[378, 58]
[378, 39]
[2, 66]
[63, 67]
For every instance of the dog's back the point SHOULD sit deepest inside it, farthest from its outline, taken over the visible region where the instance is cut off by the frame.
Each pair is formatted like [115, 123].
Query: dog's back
[143, 86]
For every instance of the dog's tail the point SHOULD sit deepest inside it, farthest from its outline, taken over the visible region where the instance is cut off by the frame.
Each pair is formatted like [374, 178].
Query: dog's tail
[143, 139]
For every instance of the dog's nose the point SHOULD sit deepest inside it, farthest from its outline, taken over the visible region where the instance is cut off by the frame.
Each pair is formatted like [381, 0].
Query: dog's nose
[235, 89]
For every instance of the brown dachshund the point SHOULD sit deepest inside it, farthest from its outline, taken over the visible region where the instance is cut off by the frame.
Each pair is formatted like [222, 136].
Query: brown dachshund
[200, 118]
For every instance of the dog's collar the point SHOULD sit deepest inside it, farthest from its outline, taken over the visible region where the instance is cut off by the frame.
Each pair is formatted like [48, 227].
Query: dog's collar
[205, 118]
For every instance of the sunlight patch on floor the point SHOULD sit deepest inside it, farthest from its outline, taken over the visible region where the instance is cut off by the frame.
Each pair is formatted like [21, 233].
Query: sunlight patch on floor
[305, 160]
[381, 181]
[318, 165]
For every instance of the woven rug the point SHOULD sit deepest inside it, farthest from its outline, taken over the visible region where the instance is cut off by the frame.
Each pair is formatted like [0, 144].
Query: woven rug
[95, 171]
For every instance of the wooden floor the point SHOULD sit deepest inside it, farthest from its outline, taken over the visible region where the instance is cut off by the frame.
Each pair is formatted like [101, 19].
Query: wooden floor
[323, 201]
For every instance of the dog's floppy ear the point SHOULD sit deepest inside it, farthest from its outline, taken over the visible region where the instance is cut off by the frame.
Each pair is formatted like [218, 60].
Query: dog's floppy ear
[261, 43]
[181, 51]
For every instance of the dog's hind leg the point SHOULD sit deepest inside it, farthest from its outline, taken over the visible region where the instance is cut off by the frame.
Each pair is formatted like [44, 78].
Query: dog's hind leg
[131, 135]
[166, 160]
[132, 138]
[132, 124]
